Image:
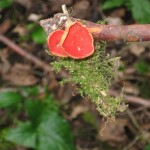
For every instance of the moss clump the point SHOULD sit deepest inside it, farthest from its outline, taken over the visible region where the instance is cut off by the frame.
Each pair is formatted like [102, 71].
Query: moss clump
[93, 75]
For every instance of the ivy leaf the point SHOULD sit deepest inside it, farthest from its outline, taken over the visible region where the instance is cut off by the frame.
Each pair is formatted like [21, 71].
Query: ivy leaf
[112, 4]
[51, 131]
[38, 35]
[141, 10]
[5, 3]
[9, 98]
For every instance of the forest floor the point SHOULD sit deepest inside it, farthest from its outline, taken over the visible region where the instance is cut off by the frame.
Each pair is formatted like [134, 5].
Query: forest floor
[131, 128]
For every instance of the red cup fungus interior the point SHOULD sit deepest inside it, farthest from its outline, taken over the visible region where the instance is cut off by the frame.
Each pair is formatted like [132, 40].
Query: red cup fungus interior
[53, 41]
[77, 44]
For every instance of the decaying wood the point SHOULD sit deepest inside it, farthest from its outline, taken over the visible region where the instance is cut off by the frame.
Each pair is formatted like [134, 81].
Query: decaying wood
[127, 33]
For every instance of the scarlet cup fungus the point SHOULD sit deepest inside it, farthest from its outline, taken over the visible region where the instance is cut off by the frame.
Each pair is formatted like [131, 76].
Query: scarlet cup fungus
[78, 43]
[75, 42]
[53, 42]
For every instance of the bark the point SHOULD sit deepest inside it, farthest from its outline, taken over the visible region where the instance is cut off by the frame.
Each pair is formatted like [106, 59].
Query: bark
[128, 33]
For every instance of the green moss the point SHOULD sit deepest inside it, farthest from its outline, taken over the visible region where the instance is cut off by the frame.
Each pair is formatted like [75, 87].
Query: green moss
[93, 75]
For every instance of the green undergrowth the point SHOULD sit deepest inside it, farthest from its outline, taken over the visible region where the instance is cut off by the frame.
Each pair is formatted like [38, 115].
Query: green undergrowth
[31, 118]
[93, 77]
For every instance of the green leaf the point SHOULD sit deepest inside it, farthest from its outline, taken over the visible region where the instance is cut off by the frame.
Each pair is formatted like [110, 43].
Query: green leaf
[34, 109]
[144, 88]
[141, 10]
[30, 91]
[142, 67]
[112, 4]
[9, 98]
[54, 133]
[24, 135]
[89, 118]
[4, 144]
[51, 103]
[51, 132]
[147, 147]
[5, 3]
[38, 35]
[38, 107]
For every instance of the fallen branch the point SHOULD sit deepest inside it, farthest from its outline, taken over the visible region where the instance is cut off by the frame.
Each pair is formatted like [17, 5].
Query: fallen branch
[127, 33]
[25, 54]
[132, 99]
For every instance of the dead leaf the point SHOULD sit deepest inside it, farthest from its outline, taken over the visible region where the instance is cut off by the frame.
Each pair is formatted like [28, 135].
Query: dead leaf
[56, 5]
[77, 110]
[21, 75]
[113, 132]
[130, 88]
[21, 30]
[4, 63]
[137, 49]
[65, 93]
[34, 17]
[114, 20]
[119, 13]
[5, 26]
[81, 7]
[129, 70]
[25, 3]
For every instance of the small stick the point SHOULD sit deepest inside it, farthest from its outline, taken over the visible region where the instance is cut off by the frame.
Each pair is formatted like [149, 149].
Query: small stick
[25, 54]
[132, 99]
[64, 9]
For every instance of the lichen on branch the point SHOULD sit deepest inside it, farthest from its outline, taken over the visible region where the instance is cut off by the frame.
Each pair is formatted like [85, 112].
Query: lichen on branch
[93, 75]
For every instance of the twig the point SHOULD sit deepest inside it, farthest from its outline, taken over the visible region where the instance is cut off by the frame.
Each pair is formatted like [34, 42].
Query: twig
[132, 143]
[25, 54]
[64, 9]
[134, 121]
[142, 135]
[132, 99]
